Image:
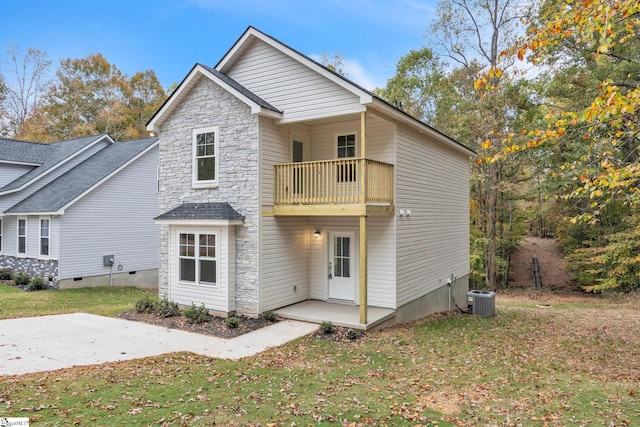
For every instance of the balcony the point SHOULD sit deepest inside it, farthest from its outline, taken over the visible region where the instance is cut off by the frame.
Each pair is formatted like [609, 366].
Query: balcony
[351, 187]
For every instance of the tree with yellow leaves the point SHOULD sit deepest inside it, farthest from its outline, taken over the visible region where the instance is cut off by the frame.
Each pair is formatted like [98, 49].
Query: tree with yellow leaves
[590, 51]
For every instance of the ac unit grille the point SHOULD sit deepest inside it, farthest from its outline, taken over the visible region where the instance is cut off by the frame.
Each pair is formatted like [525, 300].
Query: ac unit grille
[482, 303]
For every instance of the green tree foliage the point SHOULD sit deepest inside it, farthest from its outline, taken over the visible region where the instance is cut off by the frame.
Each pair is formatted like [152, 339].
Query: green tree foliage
[92, 96]
[416, 85]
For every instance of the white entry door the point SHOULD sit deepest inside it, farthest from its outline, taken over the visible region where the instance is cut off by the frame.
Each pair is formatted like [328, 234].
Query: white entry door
[342, 280]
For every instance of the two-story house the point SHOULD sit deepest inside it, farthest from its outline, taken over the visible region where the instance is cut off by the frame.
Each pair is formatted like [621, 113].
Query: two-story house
[285, 186]
[80, 212]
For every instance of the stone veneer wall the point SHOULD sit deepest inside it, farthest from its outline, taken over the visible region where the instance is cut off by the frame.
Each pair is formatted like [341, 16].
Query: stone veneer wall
[47, 269]
[206, 105]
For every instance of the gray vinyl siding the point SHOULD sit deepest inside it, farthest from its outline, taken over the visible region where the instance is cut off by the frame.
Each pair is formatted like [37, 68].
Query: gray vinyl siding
[290, 86]
[379, 139]
[9, 172]
[10, 236]
[116, 218]
[275, 148]
[11, 199]
[284, 261]
[433, 242]
[382, 263]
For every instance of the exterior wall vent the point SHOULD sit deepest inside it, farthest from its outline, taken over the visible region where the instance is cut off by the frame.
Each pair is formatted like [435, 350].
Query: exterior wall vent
[482, 303]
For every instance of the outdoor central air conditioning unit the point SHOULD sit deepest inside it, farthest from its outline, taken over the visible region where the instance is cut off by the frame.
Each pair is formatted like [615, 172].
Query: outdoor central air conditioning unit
[482, 303]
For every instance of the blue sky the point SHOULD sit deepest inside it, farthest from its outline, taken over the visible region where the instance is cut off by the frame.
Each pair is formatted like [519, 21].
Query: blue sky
[170, 36]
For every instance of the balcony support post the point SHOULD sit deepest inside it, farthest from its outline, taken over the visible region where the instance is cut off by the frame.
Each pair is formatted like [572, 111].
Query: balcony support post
[363, 270]
[363, 220]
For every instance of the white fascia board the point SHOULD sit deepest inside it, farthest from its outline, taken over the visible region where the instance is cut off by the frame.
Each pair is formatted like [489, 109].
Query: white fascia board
[174, 100]
[59, 212]
[423, 128]
[77, 153]
[209, 222]
[195, 74]
[8, 162]
[365, 97]
[106, 178]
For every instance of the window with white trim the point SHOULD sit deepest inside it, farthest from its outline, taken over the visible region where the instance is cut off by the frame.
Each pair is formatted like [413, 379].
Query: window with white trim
[22, 236]
[45, 230]
[197, 258]
[205, 156]
[346, 146]
[0, 235]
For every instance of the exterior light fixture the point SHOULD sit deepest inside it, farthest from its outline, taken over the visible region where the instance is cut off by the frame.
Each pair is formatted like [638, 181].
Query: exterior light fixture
[316, 234]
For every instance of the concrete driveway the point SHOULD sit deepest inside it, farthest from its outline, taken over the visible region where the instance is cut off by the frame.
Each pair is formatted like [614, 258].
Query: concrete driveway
[35, 344]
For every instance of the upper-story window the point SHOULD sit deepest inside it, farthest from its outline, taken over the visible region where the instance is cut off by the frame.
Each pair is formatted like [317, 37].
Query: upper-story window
[22, 236]
[44, 236]
[205, 157]
[347, 149]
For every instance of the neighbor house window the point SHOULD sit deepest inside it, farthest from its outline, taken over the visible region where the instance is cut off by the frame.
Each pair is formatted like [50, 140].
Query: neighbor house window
[205, 156]
[44, 236]
[197, 258]
[22, 236]
[346, 149]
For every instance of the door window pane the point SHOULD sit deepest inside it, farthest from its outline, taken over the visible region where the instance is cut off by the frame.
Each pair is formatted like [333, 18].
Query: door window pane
[341, 257]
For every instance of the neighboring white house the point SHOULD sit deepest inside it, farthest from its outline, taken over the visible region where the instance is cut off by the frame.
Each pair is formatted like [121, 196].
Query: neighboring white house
[281, 183]
[64, 206]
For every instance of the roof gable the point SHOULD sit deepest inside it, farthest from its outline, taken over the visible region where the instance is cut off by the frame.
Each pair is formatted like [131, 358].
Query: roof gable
[257, 104]
[252, 34]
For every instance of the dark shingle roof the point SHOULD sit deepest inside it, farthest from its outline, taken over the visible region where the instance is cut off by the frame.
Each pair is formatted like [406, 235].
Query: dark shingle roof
[82, 177]
[243, 90]
[24, 152]
[212, 210]
[54, 153]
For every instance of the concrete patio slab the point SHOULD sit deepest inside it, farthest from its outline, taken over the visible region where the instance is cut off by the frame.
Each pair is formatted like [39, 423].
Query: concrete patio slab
[36, 344]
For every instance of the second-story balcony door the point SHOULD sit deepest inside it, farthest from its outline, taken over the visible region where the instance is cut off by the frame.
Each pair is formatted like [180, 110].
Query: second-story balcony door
[297, 150]
[347, 170]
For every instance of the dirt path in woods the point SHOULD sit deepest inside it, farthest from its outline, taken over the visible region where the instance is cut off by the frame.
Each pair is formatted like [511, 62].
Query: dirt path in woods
[550, 261]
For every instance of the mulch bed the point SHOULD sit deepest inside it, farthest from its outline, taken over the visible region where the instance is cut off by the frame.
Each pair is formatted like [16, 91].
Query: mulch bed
[341, 335]
[216, 326]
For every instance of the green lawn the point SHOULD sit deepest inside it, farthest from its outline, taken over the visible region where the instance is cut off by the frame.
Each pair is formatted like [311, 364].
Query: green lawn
[106, 301]
[531, 366]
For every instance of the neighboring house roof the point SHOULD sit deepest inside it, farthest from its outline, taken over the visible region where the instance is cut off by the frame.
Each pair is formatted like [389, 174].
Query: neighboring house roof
[50, 155]
[71, 186]
[204, 211]
[26, 153]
